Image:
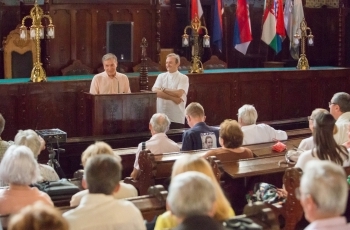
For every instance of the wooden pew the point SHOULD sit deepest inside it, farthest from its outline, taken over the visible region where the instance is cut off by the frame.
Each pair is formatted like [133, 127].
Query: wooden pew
[157, 167]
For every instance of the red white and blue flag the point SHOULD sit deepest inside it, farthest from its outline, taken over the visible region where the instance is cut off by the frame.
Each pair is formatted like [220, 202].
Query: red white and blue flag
[273, 32]
[196, 9]
[217, 24]
[242, 34]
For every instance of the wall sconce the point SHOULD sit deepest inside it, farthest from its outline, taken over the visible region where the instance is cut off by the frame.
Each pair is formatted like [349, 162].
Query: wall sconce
[303, 63]
[196, 64]
[36, 33]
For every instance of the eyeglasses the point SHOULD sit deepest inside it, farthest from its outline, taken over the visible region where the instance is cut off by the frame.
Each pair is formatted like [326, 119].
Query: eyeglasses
[331, 103]
[310, 118]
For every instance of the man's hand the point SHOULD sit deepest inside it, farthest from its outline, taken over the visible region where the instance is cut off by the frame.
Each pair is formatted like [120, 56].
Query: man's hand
[177, 100]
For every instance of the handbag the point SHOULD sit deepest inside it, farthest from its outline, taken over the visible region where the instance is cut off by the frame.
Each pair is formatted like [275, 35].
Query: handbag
[61, 187]
[241, 223]
[292, 155]
[279, 147]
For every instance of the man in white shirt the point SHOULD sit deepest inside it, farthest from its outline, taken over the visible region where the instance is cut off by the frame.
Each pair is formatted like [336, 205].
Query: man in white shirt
[339, 107]
[323, 194]
[110, 81]
[99, 209]
[172, 88]
[159, 142]
[256, 133]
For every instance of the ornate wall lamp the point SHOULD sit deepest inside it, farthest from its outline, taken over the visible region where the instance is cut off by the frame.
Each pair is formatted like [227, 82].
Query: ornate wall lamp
[36, 33]
[303, 63]
[197, 66]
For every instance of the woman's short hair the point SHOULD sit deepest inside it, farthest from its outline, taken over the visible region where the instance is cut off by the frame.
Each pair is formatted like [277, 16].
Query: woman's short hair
[19, 166]
[247, 115]
[30, 139]
[98, 148]
[231, 134]
[326, 183]
[191, 193]
[37, 217]
[190, 162]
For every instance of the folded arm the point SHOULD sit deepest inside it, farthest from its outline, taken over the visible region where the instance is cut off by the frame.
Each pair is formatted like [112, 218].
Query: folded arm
[173, 96]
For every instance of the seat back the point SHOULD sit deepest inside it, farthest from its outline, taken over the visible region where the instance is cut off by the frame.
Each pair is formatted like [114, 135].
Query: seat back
[76, 68]
[214, 63]
[151, 66]
[19, 55]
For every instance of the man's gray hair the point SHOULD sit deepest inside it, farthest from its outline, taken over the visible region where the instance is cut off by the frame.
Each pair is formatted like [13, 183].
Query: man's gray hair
[191, 193]
[102, 174]
[174, 55]
[19, 166]
[160, 122]
[30, 139]
[109, 56]
[326, 183]
[2, 124]
[342, 99]
[247, 115]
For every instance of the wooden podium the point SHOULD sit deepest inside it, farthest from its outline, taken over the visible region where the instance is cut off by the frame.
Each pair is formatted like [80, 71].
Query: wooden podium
[119, 113]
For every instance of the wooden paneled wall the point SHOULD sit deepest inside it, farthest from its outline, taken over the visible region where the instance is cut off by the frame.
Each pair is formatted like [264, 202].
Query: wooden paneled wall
[275, 94]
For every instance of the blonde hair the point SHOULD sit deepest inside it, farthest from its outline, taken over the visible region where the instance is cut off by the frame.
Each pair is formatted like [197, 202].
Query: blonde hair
[38, 216]
[194, 110]
[190, 162]
[317, 111]
[98, 148]
[231, 133]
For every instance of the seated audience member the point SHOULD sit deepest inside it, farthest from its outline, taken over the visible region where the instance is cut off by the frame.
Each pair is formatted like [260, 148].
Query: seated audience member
[308, 143]
[19, 169]
[99, 209]
[323, 194]
[124, 191]
[38, 217]
[231, 138]
[36, 143]
[339, 107]
[200, 134]
[3, 144]
[194, 163]
[256, 133]
[192, 200]
[325, 146]
[159, 142]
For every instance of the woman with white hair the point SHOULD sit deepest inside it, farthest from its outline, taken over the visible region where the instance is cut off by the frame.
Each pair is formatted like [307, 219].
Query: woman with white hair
[35, 143]
[256, 133]
[19, 169]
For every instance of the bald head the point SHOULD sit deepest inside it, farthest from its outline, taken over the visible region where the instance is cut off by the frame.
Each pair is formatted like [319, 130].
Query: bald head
[159, 123]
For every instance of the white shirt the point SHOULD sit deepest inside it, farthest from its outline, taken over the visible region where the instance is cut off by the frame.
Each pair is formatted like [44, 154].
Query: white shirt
[99, 211]
[307, 144]
[260, 133]
[125, 191]
[307, 156]
[342, 124]
[335, 223]
[158, 143]
[176, 80]
[103, 84]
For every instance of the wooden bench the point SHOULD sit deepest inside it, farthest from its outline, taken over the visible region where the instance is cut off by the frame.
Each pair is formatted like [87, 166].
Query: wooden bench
[157, 167]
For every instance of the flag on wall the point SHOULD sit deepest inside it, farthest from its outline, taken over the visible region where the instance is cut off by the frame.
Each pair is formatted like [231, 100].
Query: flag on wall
[217, 24]
[293, 15]
[273, 31]
[196, 8]
[242, 34]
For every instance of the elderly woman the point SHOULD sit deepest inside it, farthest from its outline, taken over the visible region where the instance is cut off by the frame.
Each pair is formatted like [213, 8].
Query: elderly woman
[33, 141]
[125, 190]
[256, 133]
[308, 143]
[325, 146]
[194, 163]
[230, 138]
[19, 169]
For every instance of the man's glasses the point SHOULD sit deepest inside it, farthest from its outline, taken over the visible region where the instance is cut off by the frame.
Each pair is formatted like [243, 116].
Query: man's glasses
[331, 103]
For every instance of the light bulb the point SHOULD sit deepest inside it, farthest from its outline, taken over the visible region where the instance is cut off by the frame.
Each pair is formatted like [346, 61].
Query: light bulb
[23, 35]
[206, 42]
[186, 42]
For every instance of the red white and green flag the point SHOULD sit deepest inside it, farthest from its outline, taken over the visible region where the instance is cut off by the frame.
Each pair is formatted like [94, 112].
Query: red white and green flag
[273, 32]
